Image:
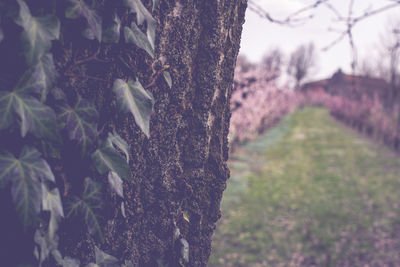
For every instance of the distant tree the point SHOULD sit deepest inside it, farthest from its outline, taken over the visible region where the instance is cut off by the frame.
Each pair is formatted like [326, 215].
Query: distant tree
[243, 64]
[391, 45]
[271, 64]
[301, 62]
[386, 64]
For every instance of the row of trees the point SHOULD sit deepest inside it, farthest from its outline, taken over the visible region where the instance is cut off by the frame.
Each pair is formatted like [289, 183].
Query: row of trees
[386, 62]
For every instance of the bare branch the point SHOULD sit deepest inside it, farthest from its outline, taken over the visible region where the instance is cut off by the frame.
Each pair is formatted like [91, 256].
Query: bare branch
[292, 20]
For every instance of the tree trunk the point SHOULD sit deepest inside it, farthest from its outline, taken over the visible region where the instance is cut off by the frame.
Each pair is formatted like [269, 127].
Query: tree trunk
[180, 171]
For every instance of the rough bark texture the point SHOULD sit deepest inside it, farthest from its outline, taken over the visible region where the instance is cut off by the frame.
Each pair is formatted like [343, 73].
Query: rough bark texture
[182, 167]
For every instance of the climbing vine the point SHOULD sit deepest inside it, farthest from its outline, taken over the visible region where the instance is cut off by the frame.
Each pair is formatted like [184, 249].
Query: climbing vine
[45, 118]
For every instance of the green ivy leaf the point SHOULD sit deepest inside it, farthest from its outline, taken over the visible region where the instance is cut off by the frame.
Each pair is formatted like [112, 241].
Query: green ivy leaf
[88, 207]
[115, 183]
[80, 122]
[66, 262]
[155, 4]
[111, 33]
[6, 110]
[105, 260]
[35, 117]
[142, 15]
[25, 173]
[106, 158]
[39, 78]
[46, 245]
[168, 78]
[38, 32]
[133, 98]
[29, 163]
[51, 201]
[7, 167]
[134, 35]
[80, 9]
[116, 141]
[71, 262]
[26, 196]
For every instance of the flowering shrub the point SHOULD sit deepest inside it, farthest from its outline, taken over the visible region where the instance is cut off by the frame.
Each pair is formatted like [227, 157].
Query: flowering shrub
[367, 115]
[258, 103]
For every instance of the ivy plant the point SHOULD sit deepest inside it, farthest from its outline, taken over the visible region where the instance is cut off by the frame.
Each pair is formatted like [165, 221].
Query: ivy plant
[46, 119]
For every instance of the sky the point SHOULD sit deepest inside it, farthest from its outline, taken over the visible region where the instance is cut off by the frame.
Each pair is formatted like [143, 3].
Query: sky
[259, 35]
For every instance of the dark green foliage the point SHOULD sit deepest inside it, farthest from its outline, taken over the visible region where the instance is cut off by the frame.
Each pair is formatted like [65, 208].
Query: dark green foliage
[26, 174]
[39, 78]
[168, 79]
[38, 32]
[115, 183]
[106, 158]
[34, 116]
[116, 141]
[51, 201]
[155, 4]
[44, 245]
[134, 35]
[26, 106]
[77, 9]
[87, 206]
[105, 260]
[111, 33]
[7, 116]
[80, 123]
[143, 15]
[133, 98]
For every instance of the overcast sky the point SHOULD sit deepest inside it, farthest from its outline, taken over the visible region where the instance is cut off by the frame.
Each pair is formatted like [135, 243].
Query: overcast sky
[260, 35]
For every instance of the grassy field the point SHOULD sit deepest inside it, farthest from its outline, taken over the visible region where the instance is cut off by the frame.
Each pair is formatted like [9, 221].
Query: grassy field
[310, 192]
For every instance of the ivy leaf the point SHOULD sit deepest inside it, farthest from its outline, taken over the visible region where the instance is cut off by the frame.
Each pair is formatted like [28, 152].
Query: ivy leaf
[115, 183]
[106, 158]
[133, 98]
[142, 15]
[29, 163]
[80, 9]
[38, 32]
[6, 112]
[111, 33]
[168, 79]
[155, 4]
[71, 262]
[136, 36]
[46, 244]
[105, 260]
[51, 202]
[67, 261]
[115, 140]
[35, 117]
[39, 78]
[26, 196]
[7, 167]
[26, 173]
[50, 150]
[80, 122]
[88, 207]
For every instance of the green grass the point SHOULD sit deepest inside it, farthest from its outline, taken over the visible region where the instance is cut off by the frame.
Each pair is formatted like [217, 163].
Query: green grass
[310, 192]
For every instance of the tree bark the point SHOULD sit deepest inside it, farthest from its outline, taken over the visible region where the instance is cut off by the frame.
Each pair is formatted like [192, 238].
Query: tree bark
[180, 171]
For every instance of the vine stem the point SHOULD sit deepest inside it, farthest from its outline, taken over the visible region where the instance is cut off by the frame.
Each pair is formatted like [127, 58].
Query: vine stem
[85, 76]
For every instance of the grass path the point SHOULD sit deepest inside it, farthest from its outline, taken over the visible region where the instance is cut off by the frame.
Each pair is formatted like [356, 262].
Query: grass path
[311, 192]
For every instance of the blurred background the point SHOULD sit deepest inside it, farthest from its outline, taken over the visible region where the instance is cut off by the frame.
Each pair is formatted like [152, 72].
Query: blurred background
[314, 137]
